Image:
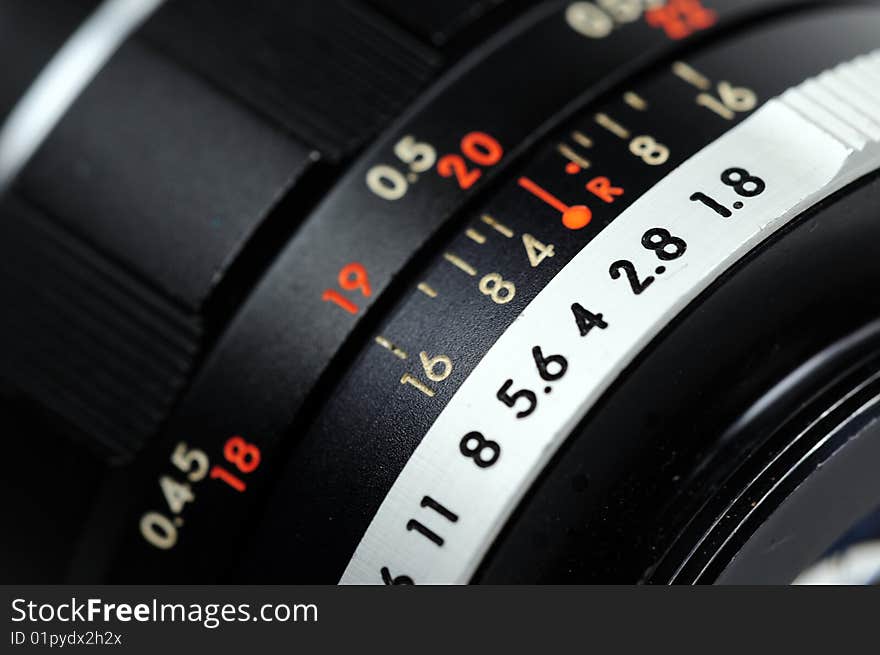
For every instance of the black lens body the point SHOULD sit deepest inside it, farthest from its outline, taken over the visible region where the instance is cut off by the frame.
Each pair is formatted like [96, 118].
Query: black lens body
[262, 258]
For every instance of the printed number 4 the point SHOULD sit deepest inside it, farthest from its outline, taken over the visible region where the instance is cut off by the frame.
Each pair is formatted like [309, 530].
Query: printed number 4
[537, 251]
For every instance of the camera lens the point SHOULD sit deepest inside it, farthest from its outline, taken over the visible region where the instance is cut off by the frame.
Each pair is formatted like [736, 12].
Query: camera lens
[383, 293]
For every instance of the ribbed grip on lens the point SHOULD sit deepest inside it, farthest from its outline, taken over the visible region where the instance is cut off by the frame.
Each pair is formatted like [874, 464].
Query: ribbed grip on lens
[331, 72]
[99, 348]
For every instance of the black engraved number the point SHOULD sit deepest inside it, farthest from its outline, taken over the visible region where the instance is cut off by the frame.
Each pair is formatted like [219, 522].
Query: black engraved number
[399, 580]
[745, 184]
[558, 362]
[511, 400]
[587, 320]
[665, 246]
[483, 451]
[623, 267]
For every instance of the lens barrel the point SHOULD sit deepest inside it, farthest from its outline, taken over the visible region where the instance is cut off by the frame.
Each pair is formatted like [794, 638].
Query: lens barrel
[497, 292]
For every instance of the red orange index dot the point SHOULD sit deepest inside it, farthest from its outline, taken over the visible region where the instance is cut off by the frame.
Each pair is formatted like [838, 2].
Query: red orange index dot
[577, 217]
[574, 218]
[572, 168]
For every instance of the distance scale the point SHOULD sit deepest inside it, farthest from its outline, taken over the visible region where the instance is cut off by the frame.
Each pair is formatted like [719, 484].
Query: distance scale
[583, 329]
[476, 284]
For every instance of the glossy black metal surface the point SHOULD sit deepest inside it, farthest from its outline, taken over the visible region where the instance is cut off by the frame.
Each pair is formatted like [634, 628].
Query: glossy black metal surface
[286, 335]
[338, 496]
[636, 472]
[214, 250]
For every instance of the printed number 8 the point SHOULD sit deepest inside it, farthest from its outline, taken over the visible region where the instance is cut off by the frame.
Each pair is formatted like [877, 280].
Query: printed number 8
[746, 185]
[244, 455]
[664, 245]
[483, 451]
[497, 288]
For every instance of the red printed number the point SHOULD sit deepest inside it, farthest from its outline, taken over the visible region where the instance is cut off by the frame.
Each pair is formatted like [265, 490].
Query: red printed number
[681, 18]
[352, 277]
[245, 456]
[480, 148]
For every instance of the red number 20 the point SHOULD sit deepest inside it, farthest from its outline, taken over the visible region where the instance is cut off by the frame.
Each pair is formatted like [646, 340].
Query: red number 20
[481, 149]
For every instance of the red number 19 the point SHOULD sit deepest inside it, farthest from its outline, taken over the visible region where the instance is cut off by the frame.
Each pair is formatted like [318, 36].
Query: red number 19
[352, 277]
